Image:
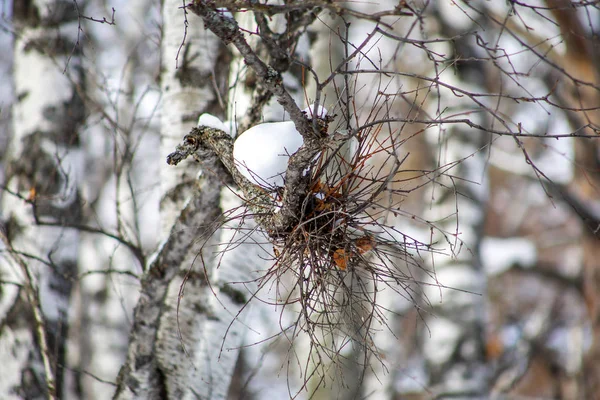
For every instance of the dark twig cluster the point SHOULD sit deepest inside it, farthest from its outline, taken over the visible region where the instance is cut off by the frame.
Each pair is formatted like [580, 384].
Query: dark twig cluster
[334, 253]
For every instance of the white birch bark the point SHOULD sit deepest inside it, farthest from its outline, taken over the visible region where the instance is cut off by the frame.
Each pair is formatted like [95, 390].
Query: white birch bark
[192, 84]
[45, 167]
[453, 335]
[157, 365]
[193, 60]
[209, 319]
[186, 308]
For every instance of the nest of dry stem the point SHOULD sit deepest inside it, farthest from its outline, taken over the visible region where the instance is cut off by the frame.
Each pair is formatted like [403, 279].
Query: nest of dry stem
[338, 249]
[337, 245]
[341, 253]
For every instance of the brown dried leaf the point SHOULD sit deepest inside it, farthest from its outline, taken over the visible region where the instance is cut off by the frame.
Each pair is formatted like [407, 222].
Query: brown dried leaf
[364, 244]
[340, 259]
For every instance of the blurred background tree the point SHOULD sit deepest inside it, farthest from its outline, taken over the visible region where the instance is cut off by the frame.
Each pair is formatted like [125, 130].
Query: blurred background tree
[469, 143]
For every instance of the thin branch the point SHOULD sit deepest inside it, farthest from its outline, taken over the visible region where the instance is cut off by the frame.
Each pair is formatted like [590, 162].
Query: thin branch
[40, 325]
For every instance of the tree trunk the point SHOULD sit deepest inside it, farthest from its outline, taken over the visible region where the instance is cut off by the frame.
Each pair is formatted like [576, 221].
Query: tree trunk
[185, 312]
[44, 199]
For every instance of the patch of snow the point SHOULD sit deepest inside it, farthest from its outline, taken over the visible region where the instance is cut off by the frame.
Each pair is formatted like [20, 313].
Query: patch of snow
[262, 152]
[498, 255]
[321, 111]
[211, 121]
[225, 12]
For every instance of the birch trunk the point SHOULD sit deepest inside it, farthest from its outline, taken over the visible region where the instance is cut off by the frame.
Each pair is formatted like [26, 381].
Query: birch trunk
[452, 338]
[194, 81]
[43, 179]
[580, 64]
[186, 310]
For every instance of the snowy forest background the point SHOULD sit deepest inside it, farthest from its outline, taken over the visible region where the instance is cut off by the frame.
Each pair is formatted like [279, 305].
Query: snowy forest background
[492, 106]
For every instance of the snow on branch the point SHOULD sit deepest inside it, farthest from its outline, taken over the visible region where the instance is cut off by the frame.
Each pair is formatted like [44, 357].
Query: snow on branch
[204, 142]
[325, 227]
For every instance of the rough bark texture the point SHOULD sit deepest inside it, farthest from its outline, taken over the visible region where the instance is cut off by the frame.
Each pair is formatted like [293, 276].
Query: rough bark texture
[174, 337]
[143, 375]
[194, 81]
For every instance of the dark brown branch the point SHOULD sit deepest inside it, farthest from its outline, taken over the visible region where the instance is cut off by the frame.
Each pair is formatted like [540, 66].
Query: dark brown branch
[273, 219]
[228, 31]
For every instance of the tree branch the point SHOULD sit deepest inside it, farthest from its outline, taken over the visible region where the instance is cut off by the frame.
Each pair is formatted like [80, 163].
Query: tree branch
[228, 31]
[203, 142]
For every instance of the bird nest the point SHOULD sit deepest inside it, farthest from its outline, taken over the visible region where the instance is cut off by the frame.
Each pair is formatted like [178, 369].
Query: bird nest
[334, 231]
[340, 254]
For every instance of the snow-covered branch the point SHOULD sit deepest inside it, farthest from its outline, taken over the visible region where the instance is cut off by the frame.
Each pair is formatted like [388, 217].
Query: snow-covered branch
[206, 142]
